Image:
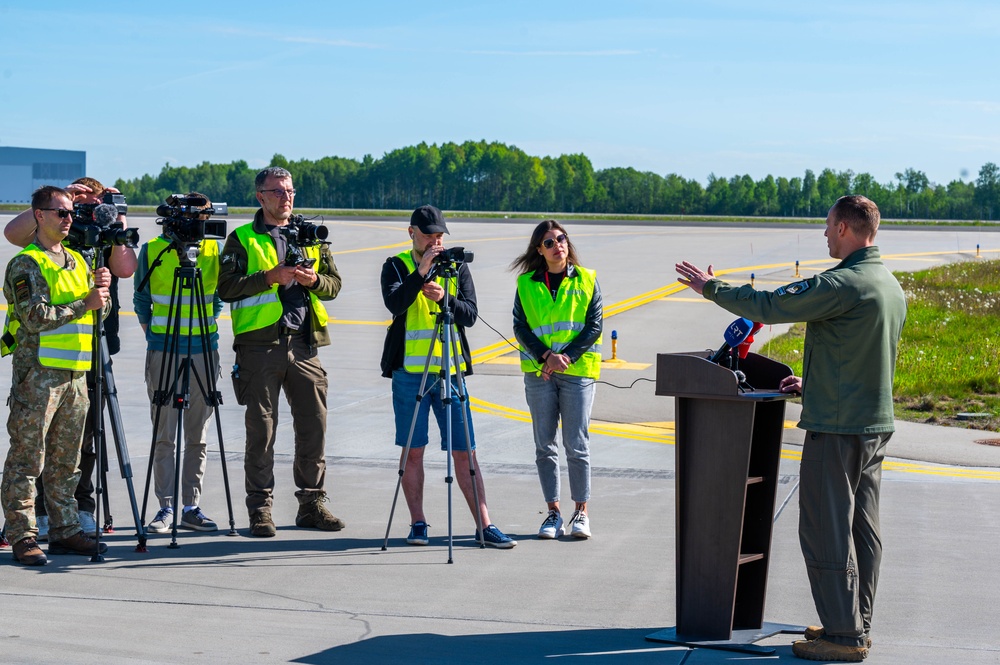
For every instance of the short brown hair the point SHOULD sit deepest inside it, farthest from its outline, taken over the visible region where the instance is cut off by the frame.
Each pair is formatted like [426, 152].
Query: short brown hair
[859, 213]
[42, 197]
[93, 183]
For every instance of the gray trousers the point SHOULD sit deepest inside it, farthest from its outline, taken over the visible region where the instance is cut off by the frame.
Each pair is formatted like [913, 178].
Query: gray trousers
[569, 399]
[841, 475]
[196, 418]
[291, 366]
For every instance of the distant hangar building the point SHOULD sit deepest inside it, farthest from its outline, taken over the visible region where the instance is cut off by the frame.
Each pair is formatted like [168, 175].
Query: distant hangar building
[23, 170]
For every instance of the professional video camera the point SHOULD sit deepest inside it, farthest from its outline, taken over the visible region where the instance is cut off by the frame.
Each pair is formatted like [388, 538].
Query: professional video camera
[182, 219]
[299, 233]
[97, 225]
[449, 258]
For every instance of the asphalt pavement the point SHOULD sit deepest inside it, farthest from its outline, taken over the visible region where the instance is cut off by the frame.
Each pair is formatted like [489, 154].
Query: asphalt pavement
[312, 597]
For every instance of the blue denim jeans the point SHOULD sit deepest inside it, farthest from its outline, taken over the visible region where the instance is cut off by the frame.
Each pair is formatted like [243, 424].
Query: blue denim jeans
[404, 400]
[570, 397]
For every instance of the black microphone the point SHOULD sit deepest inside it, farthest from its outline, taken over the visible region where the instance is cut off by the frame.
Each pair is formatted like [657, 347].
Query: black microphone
[736, 333]
[105, 214]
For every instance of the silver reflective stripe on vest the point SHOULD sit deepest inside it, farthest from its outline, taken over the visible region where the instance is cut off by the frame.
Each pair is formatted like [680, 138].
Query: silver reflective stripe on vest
[254, 301]
[414, 335]
[421, 361]
[69, 329]
[558, 347]
[64, 354]
[558, 326]
[163, 321]
[184, 300]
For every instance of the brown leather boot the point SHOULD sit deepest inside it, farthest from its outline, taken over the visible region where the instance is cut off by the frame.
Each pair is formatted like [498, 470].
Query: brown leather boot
[28, 552]
[78, 543]
[823, 649]
[816, 632]
[314, 515]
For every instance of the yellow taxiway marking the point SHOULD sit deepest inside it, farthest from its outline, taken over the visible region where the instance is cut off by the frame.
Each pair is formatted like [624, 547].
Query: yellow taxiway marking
[606, 364]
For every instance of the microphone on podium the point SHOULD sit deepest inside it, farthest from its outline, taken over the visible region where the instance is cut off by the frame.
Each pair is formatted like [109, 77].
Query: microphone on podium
[744, 348]
[736, 334]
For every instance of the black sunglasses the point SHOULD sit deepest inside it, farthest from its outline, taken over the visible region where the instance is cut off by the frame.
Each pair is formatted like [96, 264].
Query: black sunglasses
[549, 243]
[62, 212]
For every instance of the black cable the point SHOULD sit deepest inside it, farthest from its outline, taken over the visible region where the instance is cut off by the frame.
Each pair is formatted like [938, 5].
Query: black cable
[557, 375]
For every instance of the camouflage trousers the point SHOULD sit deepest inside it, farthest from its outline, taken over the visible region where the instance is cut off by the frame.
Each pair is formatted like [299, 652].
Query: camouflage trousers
[47, 412]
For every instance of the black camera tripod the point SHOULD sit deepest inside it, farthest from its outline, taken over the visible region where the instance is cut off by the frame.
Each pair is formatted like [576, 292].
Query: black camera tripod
[104, 395]
[444, 330]
[175, 371]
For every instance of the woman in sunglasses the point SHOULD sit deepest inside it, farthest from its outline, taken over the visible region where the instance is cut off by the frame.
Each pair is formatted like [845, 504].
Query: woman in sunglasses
[558, 318]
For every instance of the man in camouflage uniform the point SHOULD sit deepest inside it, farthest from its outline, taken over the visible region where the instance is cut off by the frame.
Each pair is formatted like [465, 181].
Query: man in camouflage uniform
[52, 299]
[121, 261]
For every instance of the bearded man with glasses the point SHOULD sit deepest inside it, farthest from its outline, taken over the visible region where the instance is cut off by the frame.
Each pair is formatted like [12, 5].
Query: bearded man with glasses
[279, 322]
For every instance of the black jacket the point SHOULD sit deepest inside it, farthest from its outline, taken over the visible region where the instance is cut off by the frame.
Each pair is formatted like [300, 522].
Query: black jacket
[400, 288]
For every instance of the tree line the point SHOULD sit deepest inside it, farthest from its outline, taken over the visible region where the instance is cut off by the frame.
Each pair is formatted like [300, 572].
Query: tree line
[477, 175]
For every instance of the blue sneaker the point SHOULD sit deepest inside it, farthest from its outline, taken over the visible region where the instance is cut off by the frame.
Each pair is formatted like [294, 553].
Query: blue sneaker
[418, 534]
[494, 537]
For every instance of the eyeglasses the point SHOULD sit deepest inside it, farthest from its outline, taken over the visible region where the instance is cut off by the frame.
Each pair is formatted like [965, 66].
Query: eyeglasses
[62, 212]
[279, 193]
[549, 243]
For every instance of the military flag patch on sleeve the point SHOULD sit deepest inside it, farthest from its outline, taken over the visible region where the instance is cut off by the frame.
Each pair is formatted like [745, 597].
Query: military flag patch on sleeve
[22, 289]
[794, 289]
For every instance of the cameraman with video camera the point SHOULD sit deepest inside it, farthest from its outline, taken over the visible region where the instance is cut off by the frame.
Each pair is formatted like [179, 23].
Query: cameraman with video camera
[121, 260]
[158, 259]
[278, 324]
[411, 292]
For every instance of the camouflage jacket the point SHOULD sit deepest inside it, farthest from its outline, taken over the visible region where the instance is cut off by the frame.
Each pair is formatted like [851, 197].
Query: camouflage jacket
[28, 296]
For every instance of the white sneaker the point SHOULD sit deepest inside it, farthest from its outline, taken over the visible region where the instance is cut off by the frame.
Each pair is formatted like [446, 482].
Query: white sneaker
[552, 527]
[580, 525]
[88, 523]
[163, 521]
[42, 523]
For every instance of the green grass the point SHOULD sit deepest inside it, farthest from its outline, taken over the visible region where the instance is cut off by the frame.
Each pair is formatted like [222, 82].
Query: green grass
[949, 356]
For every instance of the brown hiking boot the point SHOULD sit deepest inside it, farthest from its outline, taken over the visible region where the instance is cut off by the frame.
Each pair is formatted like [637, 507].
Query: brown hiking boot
[823, 649]
[28, 552]
[78, 543]
[314, 515]
[261, 524]
[816, 632]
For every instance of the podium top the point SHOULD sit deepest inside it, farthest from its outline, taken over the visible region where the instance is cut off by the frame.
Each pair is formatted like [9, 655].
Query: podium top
[690, 374]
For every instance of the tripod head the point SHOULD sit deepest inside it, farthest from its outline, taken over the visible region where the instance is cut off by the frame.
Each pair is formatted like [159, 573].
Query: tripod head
[447, 263]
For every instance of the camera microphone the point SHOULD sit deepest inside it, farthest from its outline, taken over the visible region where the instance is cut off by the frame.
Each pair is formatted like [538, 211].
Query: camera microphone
[105, 214]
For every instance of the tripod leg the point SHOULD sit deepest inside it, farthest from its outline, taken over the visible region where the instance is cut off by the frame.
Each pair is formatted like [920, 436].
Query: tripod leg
[121, 447]
[210, 390]
[463, 399]
[409, 440]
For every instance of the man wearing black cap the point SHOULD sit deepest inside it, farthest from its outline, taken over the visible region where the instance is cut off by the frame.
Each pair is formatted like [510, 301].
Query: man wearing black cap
[414, 303]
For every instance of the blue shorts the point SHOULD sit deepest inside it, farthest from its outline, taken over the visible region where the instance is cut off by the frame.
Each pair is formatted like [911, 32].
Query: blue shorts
[404, 399]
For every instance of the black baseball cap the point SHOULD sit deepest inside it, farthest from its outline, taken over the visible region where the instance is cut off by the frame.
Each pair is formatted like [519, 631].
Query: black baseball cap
[428, 219]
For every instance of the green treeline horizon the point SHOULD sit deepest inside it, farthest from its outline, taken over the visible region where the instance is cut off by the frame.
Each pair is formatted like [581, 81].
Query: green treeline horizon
[476, 175]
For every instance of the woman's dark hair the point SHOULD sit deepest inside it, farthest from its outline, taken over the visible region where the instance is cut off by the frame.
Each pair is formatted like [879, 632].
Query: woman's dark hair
[531, 260]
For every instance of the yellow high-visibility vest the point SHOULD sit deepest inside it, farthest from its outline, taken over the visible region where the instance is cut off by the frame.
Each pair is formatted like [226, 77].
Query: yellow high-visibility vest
[264, 309]
[70, 346]
[557, 322]
[161, 282]
[421, 319]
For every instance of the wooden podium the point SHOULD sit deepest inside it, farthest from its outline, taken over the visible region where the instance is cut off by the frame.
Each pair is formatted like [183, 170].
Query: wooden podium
[728, 442]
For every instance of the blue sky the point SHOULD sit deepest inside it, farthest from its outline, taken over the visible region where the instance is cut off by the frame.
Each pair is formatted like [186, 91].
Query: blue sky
[690, 88]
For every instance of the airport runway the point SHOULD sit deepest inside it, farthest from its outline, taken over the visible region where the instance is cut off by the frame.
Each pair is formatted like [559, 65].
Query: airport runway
[317, 598]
